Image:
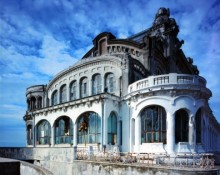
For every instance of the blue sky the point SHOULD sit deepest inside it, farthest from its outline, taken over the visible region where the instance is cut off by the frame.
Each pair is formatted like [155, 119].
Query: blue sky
[40, 38]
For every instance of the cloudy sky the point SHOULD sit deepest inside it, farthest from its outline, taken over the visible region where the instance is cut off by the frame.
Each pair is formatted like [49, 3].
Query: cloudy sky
[39, 38]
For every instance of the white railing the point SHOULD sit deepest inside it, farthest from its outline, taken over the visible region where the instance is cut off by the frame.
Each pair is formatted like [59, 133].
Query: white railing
[167, 79]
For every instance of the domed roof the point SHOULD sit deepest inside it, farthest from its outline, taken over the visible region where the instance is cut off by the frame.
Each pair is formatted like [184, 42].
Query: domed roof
[163, 12]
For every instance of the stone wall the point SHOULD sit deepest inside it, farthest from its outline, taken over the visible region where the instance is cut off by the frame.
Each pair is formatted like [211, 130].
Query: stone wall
[60, 161]
[39, 154]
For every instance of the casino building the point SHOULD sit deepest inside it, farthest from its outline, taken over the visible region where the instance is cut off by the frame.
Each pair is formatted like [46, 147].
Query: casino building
[140, 94]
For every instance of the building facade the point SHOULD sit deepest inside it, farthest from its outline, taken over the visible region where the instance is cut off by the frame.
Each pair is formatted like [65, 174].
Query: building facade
[140, 94]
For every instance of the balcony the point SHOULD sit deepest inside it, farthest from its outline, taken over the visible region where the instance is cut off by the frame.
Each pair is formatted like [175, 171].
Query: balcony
[169, 81]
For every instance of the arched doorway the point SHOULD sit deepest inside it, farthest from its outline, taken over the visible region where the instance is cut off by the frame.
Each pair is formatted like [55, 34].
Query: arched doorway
[153, 124]
[181, 126]
[63, 130]
[89, 128]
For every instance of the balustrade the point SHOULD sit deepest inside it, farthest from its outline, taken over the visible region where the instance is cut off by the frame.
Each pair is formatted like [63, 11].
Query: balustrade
[167, 79]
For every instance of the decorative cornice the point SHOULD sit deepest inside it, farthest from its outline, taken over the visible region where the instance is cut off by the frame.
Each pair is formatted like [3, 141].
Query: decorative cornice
[88, 101]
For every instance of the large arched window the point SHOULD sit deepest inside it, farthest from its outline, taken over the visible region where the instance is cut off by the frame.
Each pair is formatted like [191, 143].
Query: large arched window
[110, 82]
[83, 87]
[43, 132]
[181, 126]
[89, 128]
[198, 120]
[96, 84]
[63, 94]
[73, 87]
[112, 129]
[63, 130]
[54, 98]
[153, 124]
[29, 135]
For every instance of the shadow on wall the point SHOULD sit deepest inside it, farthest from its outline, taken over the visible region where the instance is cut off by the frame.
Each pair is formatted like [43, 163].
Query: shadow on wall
[16, 167]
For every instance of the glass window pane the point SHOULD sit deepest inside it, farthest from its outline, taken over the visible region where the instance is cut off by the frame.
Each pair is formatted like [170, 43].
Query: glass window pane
[152, 120]
[73, 90]
[63, 94]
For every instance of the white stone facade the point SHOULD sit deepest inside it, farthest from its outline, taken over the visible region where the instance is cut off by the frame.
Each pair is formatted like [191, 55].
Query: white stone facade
[141, 94]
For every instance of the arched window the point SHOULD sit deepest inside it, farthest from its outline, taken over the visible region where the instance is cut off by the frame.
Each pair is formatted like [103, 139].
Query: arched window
[153, 124]
[33, 103]
[96, 84]
[181, 126]
[43, 132]
[39, 103]
[63, 94]
[83, 87]
[89, 128]
[73, 90]
[63, 130]
[29, 135]
[110, 82]
[112, 129]
[54, 98]
[198, 121]
[29, 104]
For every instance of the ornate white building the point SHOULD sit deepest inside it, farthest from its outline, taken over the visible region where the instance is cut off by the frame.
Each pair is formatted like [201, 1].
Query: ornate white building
[141, 94]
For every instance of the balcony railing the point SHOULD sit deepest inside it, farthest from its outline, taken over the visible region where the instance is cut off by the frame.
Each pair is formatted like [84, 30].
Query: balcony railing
[167, 79]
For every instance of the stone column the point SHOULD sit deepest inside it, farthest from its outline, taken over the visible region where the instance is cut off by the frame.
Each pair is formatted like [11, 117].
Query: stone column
[58, 96]
[118, 132]
[31, 104]
[89, 88]
[170, 133]
[75, 135]
[67, 92]
[36, 104]
[192, 134]
[105, 130]
[52, 136]
[138, 133]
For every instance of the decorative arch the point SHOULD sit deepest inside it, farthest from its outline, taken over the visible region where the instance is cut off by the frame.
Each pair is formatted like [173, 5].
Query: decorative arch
[96, 84]
[181, 126]
[43, 132]
[150, 101]
[112, 128]
[89, 128]
[153, 124]
[63, 130]
[185, 96]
